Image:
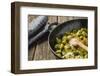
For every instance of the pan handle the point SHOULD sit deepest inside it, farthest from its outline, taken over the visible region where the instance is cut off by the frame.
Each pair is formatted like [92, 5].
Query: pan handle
[47, 28]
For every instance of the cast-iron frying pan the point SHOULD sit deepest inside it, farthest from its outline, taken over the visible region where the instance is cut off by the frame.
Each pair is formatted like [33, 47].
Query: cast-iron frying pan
[65, 27]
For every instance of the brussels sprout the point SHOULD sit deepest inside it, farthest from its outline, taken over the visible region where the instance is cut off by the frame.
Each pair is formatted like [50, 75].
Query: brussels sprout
[86, 56]
[67, 46]
[65, 50]
[64, 37]
[84, 33]
[57, 46]
[76, 53]
[61, 46]
[58, 51]
[69, 37]
[64, 41]
[81, 37]
[58, 54]
[69, 55]
[58, 40]
[78, 57]
[78, 33]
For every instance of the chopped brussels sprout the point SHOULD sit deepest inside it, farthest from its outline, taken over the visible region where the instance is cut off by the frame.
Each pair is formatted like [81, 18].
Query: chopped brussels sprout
[64, 50]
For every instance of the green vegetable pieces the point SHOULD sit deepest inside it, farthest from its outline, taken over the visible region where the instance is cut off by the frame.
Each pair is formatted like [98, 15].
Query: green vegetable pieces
[66, 51]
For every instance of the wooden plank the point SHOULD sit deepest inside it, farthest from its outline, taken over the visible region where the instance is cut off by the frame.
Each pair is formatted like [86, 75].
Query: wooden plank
[42, 51]
[62, 19]
[31, 52]
[79, 17]
[52, 19]
[31, 17]
[70, 18]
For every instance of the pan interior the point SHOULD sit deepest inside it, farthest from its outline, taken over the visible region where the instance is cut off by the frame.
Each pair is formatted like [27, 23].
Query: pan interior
[65, 27]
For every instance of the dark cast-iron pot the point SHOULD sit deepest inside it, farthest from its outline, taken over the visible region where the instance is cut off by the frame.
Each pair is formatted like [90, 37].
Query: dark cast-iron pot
[56, 30]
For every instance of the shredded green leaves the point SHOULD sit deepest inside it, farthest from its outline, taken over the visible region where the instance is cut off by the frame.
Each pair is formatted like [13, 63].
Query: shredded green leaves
[66, 51]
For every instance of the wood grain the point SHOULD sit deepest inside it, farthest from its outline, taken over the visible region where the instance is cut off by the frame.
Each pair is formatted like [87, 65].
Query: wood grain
[31, 53]
[42, 49]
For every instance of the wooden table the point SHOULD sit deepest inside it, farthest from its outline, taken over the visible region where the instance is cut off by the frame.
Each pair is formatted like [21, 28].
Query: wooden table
[40, 50]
